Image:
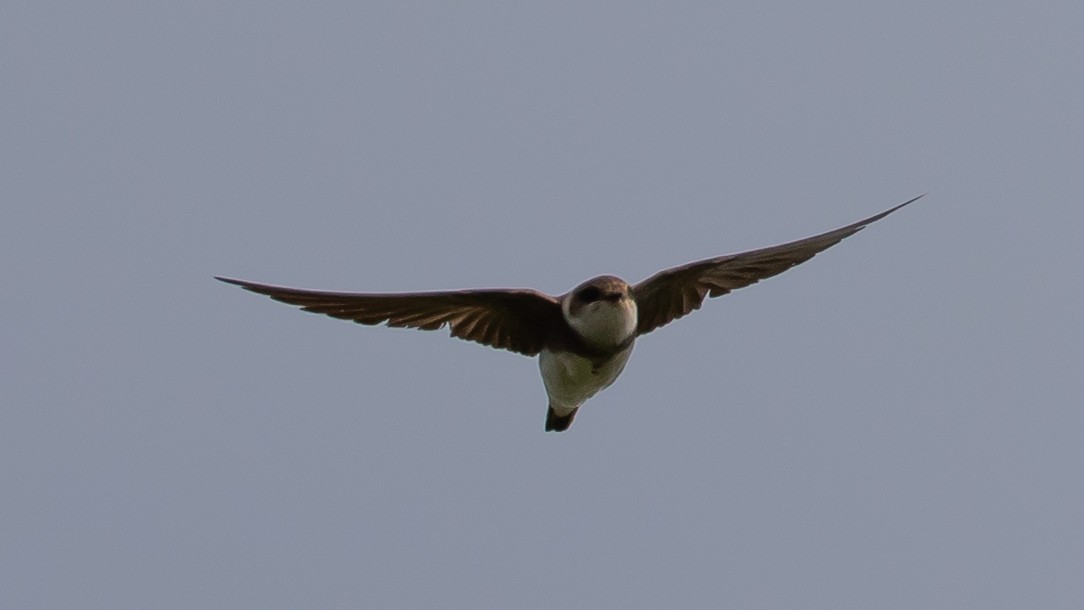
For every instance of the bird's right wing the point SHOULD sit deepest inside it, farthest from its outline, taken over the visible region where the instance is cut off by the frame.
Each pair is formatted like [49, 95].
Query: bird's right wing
[515, 320]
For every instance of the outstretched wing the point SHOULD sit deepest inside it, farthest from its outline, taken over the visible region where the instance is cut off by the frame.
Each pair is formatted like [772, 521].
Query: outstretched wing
[515, 320]
[673, 293]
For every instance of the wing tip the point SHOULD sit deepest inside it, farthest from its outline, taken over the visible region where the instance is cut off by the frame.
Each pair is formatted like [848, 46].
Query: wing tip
[893, 209]
[229, 280]
[264, 289]
[851, 229]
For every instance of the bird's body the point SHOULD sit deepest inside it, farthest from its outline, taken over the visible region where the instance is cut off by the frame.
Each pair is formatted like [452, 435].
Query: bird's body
[602, 311]
[583, 338]
[571, 379]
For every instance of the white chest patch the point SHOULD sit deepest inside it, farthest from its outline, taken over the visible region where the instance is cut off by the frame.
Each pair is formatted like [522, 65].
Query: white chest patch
[570, 379]
[604, 323]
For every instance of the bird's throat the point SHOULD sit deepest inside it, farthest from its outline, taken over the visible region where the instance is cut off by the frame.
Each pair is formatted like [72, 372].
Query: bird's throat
[605, 324]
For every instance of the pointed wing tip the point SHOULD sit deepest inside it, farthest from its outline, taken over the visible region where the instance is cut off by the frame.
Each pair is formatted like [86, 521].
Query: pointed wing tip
[904, 204]
[862, 224]
[250, 286]
[263, 289]
[911, 200]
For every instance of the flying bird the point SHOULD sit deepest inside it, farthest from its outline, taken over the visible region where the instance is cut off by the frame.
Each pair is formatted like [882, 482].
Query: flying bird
[582, 338]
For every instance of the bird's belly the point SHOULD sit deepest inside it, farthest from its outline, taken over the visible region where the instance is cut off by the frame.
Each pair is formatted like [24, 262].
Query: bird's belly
[572, 379]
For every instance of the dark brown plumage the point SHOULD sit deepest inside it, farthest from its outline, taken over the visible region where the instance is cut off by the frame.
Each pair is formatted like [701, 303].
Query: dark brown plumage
[522, 320]
[673, 293]
[558, 423]
[596, 323]
[515, 320]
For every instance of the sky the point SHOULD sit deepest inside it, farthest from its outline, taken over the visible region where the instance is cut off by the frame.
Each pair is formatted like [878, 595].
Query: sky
[894, 424]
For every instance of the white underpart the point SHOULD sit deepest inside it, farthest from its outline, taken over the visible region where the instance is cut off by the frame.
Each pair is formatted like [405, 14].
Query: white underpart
[570, 379]
[604, 323]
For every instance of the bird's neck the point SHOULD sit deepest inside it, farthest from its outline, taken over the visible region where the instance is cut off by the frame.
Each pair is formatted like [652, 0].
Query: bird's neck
[605, 324]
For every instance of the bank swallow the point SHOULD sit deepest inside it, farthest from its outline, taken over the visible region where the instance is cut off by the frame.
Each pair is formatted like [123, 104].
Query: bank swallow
[582, 338]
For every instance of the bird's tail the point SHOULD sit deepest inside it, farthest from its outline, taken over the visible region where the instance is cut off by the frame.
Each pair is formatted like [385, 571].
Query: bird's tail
[559, 423]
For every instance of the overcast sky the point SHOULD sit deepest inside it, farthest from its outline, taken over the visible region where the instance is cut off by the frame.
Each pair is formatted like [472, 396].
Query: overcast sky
[895, 424]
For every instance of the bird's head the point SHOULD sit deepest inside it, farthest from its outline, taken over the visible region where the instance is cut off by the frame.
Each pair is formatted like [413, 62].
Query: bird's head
[601, 310]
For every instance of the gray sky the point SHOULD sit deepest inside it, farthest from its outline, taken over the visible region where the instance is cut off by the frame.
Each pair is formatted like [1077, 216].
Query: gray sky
[895, 424]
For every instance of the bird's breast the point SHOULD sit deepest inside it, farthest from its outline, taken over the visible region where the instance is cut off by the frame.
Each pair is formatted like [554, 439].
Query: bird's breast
[605, 323]
[570, 379]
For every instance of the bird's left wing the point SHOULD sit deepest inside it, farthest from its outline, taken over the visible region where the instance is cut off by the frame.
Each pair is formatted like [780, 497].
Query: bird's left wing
[515, 320]
[673, 293]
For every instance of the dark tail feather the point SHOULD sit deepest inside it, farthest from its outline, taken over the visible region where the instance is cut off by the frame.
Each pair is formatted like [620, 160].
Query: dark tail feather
[559, 423]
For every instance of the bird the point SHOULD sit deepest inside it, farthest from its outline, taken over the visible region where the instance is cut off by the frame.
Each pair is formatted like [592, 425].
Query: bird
[583, 338]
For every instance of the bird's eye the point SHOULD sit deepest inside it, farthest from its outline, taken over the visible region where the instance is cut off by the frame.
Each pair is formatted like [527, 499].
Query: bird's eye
[590, 294]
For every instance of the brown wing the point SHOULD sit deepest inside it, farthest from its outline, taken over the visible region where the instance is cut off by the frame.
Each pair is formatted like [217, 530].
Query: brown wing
[673, 293]
[515, 320]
